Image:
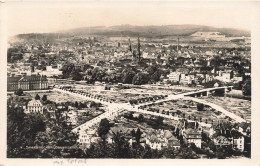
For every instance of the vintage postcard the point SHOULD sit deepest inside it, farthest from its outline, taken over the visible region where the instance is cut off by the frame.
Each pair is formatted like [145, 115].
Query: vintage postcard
[84, 82]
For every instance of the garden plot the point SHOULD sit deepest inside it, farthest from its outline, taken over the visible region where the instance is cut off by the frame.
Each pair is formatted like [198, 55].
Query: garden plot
[239, 107]
[187, 109]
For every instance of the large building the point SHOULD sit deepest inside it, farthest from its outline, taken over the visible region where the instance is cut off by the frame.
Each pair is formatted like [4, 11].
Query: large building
[34, 106]
[33, 82]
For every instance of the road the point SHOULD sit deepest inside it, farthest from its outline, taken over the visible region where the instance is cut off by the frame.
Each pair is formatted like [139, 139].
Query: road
[113, 109]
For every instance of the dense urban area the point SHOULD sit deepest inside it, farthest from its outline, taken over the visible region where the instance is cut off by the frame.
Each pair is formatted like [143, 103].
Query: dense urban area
[118, 96]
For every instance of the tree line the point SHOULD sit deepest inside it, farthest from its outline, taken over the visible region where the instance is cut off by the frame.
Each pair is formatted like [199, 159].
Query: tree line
[127, 75]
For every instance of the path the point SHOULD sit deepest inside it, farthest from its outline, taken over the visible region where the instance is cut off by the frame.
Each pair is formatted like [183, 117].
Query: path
[113, 109]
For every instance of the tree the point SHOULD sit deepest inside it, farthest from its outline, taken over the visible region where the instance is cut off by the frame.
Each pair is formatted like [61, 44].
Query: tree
[140, 78]
[220, 154]
[200, 107]
[231, 74]
[76, 104]
[211, 84]
[246, 87]
[92, 104]
[44, 98]
[14, 54]
[100, 149]
[238, 85]
[138, 136]
[103, 128]
[204, 137]
[155, 77]
[127, 76]
[77, 76]
[19, 92]
[186, 153]
[170, 152]
[152, 69]
[21, 132]
[37, 97]
[140, 118]
[57, 134]
[170, 61]
[212, 146]
[159, 121]
[133, 133]
[121, 146]
[15, 139]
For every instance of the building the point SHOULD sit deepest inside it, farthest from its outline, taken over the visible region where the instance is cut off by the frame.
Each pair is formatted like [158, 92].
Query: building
[185, 79]
[12, 83]
[225, 137]
[71, 117]
[86, 138]
[245, 128]
[50, 71]
[209, 35]
[174, 76]
[122, 130]
[33, 82]
[223, 76]
[34, 106]
[222, 141]
[192, 136]
[239, 142]
[159, 139]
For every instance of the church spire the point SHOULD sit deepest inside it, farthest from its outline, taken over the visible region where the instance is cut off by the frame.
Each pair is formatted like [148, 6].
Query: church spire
[138, 48]
[130, 45]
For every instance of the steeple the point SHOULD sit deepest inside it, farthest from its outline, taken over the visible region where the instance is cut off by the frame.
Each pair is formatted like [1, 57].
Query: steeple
[130, 46]
[138, 49]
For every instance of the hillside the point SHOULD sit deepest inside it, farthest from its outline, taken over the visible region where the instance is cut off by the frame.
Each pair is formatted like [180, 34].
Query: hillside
[153, 31]
[134, 31]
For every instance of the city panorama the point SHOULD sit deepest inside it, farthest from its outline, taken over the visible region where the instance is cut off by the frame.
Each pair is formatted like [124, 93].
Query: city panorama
[129, 91]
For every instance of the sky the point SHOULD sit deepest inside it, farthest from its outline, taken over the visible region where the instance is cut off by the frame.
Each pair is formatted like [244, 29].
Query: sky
[25, 17]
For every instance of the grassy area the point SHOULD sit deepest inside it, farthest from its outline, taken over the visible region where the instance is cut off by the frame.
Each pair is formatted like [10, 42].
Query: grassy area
[125, 95]
[240, 107]
[55, 96]
[187, 109]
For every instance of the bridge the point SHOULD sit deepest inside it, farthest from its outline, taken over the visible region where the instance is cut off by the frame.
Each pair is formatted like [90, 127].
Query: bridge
[198, 93]
[113, 109]
[205, 92]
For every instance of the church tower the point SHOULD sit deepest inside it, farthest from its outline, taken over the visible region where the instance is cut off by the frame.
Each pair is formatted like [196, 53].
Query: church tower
[130, 45]
[138, 49]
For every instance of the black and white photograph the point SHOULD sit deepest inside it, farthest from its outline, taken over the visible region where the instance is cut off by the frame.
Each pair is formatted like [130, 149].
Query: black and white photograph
[128, 80]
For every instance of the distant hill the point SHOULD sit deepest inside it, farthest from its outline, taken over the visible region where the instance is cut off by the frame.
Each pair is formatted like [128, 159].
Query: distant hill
[134, 31]
[153, 31]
